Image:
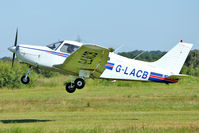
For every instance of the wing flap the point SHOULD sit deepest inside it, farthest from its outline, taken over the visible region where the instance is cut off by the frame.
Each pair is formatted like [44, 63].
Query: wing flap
[90, 58]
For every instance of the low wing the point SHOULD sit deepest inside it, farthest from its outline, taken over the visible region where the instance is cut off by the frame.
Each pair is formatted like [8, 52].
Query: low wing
[179, 76]
[90, 58]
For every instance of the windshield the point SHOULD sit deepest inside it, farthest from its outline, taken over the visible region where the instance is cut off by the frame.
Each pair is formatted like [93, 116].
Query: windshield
[55, 45]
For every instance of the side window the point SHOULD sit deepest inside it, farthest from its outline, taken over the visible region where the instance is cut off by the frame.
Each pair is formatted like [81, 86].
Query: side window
[68, 48]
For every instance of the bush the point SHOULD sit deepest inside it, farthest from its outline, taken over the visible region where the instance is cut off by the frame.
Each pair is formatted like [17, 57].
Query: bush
[46, 73]
[11, 77]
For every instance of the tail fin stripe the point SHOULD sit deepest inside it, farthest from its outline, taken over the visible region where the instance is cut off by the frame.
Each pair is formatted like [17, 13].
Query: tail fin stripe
[157, 74]
[159, 77]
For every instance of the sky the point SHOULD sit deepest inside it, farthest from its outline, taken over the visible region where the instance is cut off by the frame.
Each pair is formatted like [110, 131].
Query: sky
[128, 24]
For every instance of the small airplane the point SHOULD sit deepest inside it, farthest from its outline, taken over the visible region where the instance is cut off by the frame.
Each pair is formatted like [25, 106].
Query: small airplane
[93, 61]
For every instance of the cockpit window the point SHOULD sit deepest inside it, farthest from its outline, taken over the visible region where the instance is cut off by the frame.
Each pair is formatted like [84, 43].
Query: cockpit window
[69, 48]
[55, 45]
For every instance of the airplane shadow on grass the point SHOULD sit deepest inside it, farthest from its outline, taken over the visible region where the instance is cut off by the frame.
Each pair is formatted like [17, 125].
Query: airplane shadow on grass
[23, 121]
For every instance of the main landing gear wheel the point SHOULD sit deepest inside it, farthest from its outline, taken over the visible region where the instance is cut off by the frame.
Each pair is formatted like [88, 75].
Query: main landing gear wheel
[25, 80]
[79, 83]
[70, 87]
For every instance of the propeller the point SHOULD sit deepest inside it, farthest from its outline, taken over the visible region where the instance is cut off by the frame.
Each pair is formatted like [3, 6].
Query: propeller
[15, 44]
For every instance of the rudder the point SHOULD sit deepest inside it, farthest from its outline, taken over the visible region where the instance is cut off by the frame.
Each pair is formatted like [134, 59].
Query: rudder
[174, 59]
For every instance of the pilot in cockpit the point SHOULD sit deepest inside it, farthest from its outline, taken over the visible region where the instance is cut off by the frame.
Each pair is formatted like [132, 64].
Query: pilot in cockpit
[70, 48]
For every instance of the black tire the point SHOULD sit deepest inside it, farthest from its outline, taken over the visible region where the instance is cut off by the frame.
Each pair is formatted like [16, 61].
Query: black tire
[70, 87]
[79, 83]
[25, 81]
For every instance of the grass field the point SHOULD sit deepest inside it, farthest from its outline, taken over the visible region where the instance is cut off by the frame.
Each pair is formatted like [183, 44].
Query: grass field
[102, 106]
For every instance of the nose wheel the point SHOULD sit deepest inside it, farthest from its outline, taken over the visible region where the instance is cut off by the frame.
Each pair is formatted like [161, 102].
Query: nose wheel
[25, 79]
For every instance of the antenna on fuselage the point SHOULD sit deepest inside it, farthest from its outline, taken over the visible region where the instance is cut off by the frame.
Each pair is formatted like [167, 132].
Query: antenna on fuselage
[118, 48]
[138, 55]
[78, 38]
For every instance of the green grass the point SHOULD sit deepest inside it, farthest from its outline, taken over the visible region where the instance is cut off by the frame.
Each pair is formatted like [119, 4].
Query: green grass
[102, 106]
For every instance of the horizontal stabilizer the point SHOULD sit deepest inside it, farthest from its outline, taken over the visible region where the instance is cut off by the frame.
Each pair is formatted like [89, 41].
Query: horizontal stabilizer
[179, 76]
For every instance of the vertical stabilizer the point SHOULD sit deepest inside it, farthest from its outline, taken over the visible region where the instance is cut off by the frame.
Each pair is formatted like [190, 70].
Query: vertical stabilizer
[174, 59]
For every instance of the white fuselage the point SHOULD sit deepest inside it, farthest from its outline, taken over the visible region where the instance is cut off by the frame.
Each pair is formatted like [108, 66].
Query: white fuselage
[40, 56]
[118, 67]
